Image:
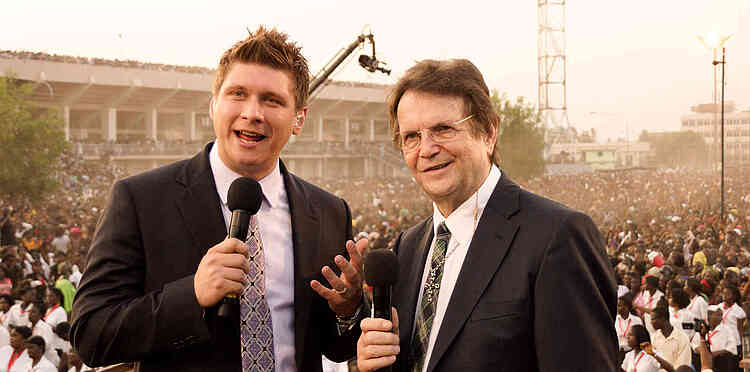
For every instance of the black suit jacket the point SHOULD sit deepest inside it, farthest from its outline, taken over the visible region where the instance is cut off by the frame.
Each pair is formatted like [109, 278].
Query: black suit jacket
[136, 300]
[536, 291]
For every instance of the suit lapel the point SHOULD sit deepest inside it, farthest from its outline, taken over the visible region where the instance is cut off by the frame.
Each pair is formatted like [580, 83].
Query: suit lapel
[305, 223]
[412, 268]
[200, 205]
[490, 244]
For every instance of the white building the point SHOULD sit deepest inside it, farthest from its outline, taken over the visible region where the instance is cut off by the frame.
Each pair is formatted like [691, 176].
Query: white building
[706, 121]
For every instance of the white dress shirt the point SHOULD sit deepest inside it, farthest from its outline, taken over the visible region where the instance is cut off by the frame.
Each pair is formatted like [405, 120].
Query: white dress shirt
[44, 365]
[675, 348]
[20, 365]
[699, 307]
[461, 225]
[55, 315]
[730, 317]
[623, 326]
[275, 225]
[641, 362]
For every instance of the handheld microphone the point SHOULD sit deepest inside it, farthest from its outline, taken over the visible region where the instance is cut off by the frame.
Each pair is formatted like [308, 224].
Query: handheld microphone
[243, 199]
[381, 273]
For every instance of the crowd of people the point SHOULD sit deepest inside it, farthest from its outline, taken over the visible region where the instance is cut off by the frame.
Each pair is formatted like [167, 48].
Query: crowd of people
[43, 247]
[42, 56]
[682, 273]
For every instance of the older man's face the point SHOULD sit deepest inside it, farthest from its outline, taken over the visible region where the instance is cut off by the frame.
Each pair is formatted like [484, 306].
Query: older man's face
[448, 172]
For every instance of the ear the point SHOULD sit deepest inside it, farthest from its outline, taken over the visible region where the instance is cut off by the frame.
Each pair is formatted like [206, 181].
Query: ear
[299, 121]
[211, 103]
[491, 139]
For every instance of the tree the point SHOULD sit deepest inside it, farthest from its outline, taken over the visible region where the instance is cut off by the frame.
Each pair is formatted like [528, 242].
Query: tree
[520, 139]
[31, 140]
[677, 149]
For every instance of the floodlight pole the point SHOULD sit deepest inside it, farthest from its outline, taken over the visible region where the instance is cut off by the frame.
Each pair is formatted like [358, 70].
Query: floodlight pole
[723, 63]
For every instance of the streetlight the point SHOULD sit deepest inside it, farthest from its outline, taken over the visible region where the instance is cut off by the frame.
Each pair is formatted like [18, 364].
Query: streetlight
[714, 41]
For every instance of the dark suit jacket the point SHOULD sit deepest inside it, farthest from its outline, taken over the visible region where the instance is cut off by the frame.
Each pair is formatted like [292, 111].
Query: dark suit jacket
[536, 291]
[136, 300]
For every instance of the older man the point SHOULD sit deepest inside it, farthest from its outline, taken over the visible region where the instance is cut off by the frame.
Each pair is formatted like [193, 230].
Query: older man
[498, 279]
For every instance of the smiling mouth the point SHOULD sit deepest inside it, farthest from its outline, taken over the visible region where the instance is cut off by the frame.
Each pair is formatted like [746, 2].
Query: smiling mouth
[437, 167]
[249, 137]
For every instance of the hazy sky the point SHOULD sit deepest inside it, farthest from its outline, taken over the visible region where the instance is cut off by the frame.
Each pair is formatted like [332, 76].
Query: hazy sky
[637, 61]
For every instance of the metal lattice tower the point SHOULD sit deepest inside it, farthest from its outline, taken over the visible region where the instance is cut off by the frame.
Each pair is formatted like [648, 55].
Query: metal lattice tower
[553, 107]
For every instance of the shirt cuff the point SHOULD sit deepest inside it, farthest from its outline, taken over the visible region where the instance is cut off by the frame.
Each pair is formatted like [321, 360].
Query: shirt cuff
[345, 324]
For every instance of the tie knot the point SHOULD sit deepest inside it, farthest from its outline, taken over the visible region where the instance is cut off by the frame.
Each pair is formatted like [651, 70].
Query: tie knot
[443, 232]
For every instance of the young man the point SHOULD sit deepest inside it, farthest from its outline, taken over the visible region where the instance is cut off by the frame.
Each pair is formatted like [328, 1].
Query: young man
[672, 343]
[160, 262]
[497, 276]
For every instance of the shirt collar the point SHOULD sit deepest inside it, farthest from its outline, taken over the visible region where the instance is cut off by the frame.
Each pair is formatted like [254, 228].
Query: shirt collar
[461, 222]
[272, 184]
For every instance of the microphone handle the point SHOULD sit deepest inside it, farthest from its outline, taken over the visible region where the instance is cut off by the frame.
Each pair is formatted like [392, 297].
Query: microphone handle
[230, 305]
[381, 302]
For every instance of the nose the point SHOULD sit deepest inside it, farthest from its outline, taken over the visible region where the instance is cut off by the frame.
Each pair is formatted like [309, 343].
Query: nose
[427, 147]
[252, 110]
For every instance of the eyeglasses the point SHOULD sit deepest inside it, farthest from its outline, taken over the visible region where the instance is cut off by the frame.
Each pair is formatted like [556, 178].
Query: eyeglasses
[439, 133]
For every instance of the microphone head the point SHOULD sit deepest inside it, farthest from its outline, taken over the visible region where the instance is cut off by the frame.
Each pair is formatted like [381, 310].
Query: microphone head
[245, 194]
[381, 268]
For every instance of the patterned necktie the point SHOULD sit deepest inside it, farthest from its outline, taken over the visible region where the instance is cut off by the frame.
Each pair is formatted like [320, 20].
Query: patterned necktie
[256, 332]
[428, 305]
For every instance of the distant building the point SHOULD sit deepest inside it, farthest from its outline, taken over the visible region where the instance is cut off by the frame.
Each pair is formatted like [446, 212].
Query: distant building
[600, 156]
[143, 115]
[705, 120]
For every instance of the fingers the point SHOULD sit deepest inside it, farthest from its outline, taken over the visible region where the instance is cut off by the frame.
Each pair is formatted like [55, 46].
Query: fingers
[322, 291]
[377, 347]
[230, 245]
[394, 319]
[375, 324]
[221, 271]
[335, 282]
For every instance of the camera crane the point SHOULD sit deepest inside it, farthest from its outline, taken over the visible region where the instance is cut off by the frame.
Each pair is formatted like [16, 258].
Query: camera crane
[369, 63]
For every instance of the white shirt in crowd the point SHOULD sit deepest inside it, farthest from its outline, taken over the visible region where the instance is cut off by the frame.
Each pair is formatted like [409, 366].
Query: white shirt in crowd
[275, 225]
[718, 339]
[18, 317]
[55, 315]
[75, 276]
[44, 331]
[61, 243]
[460, 223]
[43, 365]
[623, 326]
[699, 307]
[4, 336]
[51, 349]
[649, 302]
[675, 349]
[641, 362]
[683, 319]
[20, 365]
[622, 290]
[731, 314]
[84, 368]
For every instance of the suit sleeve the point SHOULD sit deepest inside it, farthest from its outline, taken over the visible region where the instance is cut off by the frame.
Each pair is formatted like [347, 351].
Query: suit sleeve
[575, 296]
[114, 320]
[335, 347]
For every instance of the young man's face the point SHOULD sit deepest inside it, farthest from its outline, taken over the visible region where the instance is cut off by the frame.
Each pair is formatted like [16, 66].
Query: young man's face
[448, 172]
[254, 115]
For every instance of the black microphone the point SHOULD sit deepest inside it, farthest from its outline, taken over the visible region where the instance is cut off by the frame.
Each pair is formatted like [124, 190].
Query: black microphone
[381, 273]
[244, 199]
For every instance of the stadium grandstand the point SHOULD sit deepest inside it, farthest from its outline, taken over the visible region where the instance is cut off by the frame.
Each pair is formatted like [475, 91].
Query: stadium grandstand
[141, 115]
